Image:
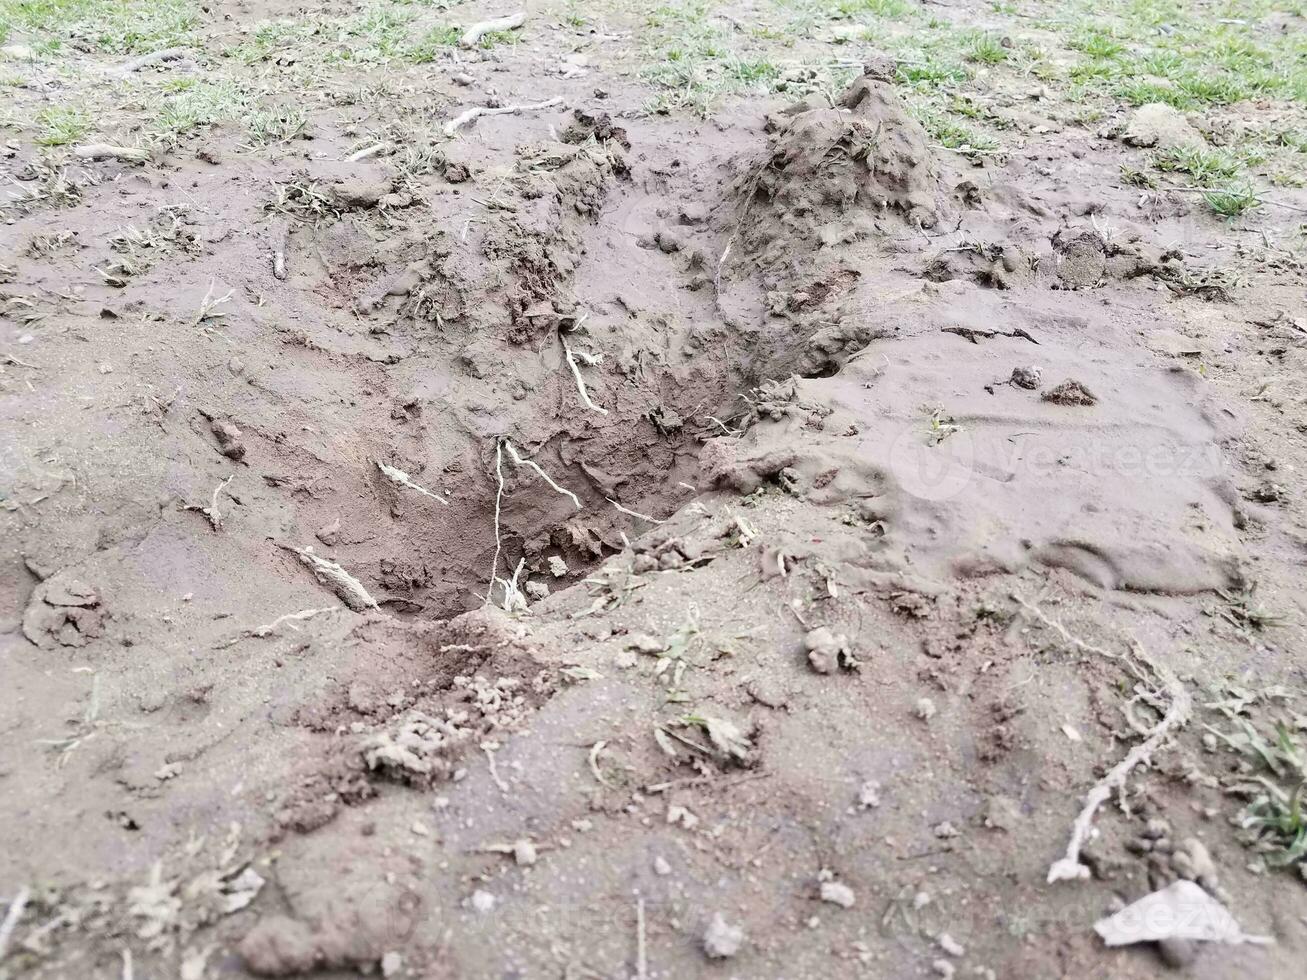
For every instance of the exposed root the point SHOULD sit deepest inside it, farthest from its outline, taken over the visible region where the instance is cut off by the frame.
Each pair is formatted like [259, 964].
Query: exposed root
[635, 513]
[1178, 708]
[461, 120]
[402, 479]
[499, 499]
[591, 359]
[473, 35]
[376, 149]
[520, 461]
[511, 593]
[514, 599]
[153, 58]
[489, 749]
[594, 763]
[260, 632]
[641, 946]
[107, 151]
[212, 512]
[341, 582]
[10, 923]
[279, 253]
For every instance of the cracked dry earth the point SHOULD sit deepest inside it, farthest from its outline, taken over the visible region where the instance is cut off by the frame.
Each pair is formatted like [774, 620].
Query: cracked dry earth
[827, 482]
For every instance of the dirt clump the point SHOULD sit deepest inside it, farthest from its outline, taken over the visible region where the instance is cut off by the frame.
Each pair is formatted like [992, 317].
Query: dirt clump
[1162, 126]
[63, 612]
[830, 172]
[1070, 392]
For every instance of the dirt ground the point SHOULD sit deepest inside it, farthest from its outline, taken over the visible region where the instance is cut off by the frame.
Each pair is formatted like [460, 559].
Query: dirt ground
[794, 488]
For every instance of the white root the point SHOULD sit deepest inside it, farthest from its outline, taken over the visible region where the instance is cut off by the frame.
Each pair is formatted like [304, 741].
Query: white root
[473, 35]
[641, 945]
[266, 630]
[1069, 867]
[514, 599]
[108, 151]
[296, 617]
[591, 359]
[499, 498]
[398, 476]
[366, 153]
[212, 512]
[10, 923]
[341, 582]
[461, 120]
[520, 461]
[593, 759]
[510, 587]
[281, 235]
[633, 513]
[153, 58]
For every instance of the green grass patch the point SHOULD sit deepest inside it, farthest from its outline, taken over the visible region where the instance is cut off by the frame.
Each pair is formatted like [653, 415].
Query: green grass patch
[188, 105]
[984, 48]
[61, 125]
[428, 47]
[109, 26]
[1230, 202]
[1205, 166]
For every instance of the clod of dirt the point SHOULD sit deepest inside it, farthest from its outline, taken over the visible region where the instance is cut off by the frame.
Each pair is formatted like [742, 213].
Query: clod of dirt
[828, 651]
[228, 437]
[1159, 125]
[830, 171]
[279, 946]
[345, 939]
[1029, 378]
[1081, 259]
[63, 612]
[598, 126]
[416, 750]
[720, 940]
[1070, 392]
[1193, 861]
[991, 264]
[361, 191]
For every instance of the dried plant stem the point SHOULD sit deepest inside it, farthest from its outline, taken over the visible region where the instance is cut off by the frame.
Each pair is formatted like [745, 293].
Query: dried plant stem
[473, 35]
[1179, 707]
[469, 115]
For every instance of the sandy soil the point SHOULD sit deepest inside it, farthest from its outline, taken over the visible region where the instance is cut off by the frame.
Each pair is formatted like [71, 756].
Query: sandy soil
[611, 544]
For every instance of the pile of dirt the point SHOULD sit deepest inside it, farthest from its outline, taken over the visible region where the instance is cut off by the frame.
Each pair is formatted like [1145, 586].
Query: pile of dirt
[712, 531]
[831, 174]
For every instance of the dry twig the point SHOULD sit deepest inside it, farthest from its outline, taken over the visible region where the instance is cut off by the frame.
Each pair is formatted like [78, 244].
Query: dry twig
[473, 35]
[467, 116]
[1179, 706]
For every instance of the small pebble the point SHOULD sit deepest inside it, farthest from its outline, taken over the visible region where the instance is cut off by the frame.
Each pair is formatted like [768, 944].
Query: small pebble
[837, 893]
